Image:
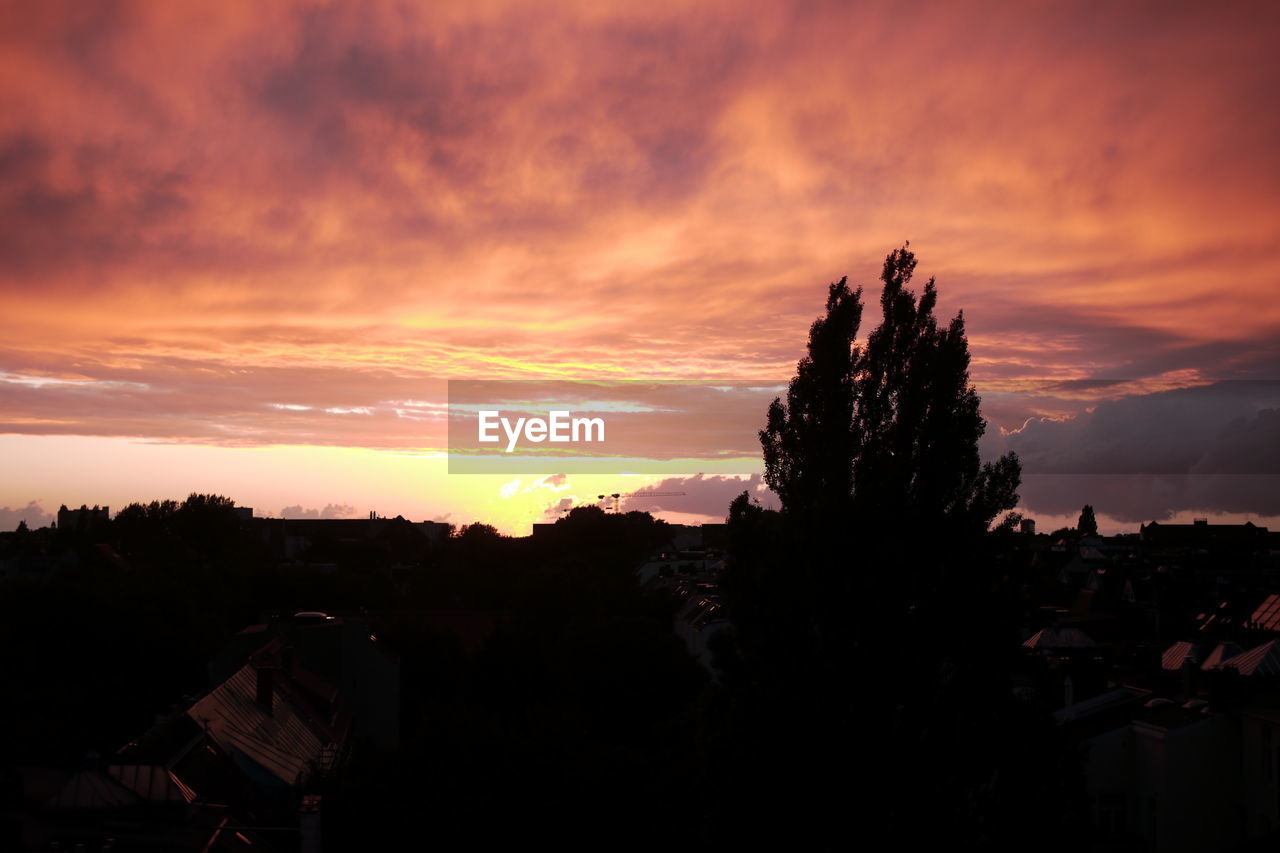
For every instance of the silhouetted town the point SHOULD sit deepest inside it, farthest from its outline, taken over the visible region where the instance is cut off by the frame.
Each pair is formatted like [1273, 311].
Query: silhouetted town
[186, 676]
[894, 652]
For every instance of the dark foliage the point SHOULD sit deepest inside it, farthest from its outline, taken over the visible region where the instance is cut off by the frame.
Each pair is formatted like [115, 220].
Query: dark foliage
[871, 633]
[570, 706]
[1088, 523]
[573, 720]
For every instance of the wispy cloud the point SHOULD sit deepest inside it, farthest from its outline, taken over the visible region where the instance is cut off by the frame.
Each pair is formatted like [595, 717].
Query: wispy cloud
[205, 211]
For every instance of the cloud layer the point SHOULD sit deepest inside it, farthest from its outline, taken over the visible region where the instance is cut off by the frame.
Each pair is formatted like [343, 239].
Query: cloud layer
[238, 224]
[1212, 449]
[34, 514]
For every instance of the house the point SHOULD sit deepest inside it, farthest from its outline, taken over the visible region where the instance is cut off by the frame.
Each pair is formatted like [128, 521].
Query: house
[280, 722]
[1167, 779]
[214, 777]
[344, 652]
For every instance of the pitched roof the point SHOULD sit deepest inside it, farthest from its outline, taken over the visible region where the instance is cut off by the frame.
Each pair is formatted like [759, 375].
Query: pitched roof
[1101, 703]
[197, 766]
[1267, 616]
[282, 742]
[92, 790]
[1263, 660]
[1059, 638]
[152, 783]
[1220, 652]
[1176, 655]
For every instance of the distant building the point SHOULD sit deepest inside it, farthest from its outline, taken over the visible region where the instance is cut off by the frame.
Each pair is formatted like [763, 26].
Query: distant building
[1201, 534]
[82, 519]
[435, 531]
[323, 539]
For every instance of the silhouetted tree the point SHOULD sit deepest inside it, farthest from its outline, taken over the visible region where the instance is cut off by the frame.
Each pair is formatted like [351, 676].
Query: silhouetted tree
[1010, 524]
[811, 443]
[888, 432]
[1088, 523]
[868, 630]
[875, 451]
[477, 531]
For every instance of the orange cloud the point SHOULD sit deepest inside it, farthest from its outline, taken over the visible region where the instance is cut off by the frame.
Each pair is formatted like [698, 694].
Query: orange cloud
[210, 214]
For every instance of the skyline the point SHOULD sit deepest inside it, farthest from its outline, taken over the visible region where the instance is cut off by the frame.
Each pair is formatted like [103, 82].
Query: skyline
[240, 245]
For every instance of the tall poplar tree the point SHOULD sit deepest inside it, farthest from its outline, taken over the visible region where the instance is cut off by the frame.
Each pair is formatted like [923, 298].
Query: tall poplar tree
[868, 632]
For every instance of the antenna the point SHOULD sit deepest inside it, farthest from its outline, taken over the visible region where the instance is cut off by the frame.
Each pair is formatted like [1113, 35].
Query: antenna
[617, 497]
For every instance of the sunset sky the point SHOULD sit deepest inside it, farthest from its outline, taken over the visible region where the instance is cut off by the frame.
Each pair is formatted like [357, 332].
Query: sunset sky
[243, 246]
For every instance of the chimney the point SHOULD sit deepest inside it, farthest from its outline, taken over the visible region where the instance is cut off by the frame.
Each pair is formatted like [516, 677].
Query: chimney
[309, 823]
[265, 686]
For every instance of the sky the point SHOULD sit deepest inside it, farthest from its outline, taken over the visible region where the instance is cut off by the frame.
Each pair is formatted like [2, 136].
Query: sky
[244, 246]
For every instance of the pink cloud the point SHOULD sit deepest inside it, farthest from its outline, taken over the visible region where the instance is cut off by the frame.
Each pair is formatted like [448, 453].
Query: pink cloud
[249, 236]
